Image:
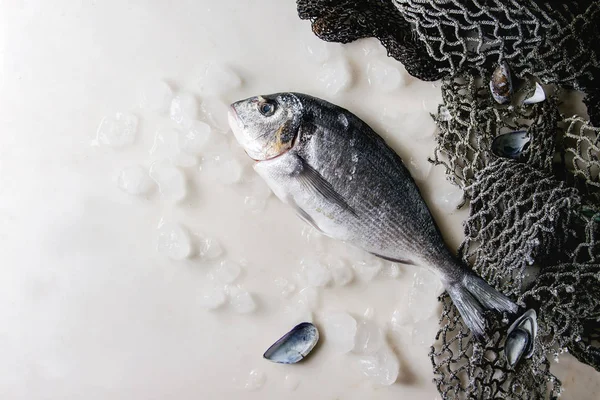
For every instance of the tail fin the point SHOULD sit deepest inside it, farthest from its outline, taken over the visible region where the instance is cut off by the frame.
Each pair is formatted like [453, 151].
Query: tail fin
[472, 296]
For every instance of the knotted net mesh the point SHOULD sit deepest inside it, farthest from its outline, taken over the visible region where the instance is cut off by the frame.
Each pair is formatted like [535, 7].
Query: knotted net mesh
[538, 217]
[558, 43]
[534, 226]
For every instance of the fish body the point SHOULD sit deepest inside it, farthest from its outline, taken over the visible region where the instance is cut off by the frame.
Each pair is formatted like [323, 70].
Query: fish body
[344, 180]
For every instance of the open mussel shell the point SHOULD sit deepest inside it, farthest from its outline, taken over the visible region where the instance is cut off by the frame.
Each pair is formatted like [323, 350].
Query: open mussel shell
[537, 96]
[501, 84]
[511, 145]
[520, 338]
[295, 345]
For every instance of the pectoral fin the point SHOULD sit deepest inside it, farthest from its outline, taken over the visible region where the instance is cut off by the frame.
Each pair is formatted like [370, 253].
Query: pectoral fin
[314, 181]
[303, 214]
[396, 260]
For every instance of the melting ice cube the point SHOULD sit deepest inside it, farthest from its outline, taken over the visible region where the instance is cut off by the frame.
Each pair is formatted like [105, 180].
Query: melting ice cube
[212, 297]
[118, 130]
[194, 139]
[222, 168]
[184, 109]
[340, 329]
[240, 300]
[226, 272]
[216, 78]
[170, 180]
[340, 271]
[449, 200]
[382, 368]
[369, 338]
[135, 180]
[419, 168]
[315, 273]
[257, 195]
[210, 248]
[384, 76]
[166, 147]
[174, 241]
[215, 112]
[335, 76]
[255, 380]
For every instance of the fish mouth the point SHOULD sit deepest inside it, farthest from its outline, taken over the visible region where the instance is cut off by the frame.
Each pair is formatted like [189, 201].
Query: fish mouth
[233, 119]
[238, 127]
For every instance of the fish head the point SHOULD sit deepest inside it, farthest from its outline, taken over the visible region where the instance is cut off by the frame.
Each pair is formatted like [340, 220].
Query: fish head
[266, 126]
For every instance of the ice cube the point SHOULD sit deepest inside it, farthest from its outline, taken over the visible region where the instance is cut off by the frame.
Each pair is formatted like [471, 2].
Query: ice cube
[369, 313]
[315, 273]
[215, 111]
[291, 382]
[423, 332]
[135, 180]
[174, 241]
[226, 272]
[382, 368]
[118, 130]
[170, 180]
[431, 106]
[210, 248]
[335, 76]
[340, 329]
[419, 168]
[369, 338]
[391, 271]
[216, 78]
[184, 109]
[313, 238]
[241, 301]
[401, 319]
[318, 50]
[257, 195]
[286, 288]
[166, 147]
[255, 380]
[422, 297]
[384, 76]
[222, 168]
[372, 46]
[309, 297]
[368, 268]
[341, 272]
[449, 200]
[157, 97]
[212, 297]
[193, 140]
[416, 125]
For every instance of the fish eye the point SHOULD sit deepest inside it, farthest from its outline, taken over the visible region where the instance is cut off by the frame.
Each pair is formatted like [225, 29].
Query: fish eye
[267, 109]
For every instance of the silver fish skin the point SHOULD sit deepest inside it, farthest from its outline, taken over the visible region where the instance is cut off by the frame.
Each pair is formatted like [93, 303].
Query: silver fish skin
[344, 180]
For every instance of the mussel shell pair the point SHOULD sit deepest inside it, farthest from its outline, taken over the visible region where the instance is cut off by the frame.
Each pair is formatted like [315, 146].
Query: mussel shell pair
[520, 338]
[511, 145]
[501, 84]
[295, 345]
[502, 87]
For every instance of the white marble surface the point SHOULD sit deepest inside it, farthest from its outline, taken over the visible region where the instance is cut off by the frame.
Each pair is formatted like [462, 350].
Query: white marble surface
[88, 307]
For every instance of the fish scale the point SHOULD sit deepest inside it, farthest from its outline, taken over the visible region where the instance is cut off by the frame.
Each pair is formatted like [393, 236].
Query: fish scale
[343, 179]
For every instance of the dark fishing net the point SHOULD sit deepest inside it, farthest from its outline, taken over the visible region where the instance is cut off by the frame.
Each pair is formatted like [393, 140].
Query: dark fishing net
[558, 43]
[534, 226]
[538, 215]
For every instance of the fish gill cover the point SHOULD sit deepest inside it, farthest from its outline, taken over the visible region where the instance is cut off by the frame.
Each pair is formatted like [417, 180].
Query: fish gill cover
[538, 216]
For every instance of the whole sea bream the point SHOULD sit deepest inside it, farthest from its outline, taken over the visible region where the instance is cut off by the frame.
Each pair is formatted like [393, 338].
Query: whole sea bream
[344, 180]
